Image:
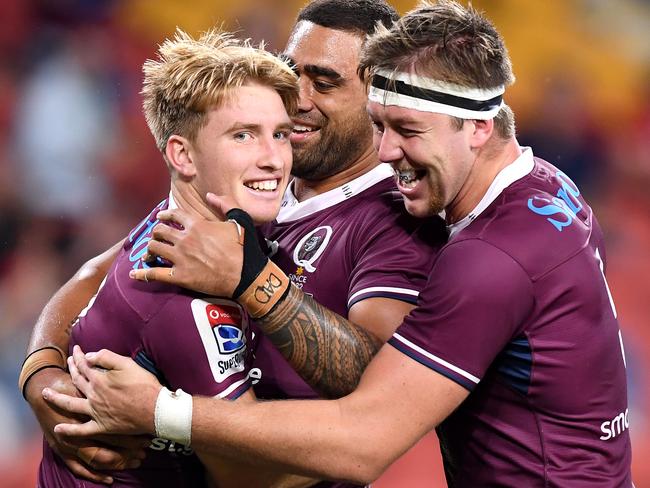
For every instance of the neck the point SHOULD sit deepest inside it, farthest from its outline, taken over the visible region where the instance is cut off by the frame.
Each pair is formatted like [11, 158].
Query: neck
[305, 189]
[188, 198]
[490, 160]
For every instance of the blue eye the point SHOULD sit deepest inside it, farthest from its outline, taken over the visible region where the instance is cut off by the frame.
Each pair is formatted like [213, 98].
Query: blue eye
[281, 135]
[242, 136]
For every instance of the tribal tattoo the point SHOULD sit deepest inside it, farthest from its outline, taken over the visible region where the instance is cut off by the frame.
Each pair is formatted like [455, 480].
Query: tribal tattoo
[329, 352]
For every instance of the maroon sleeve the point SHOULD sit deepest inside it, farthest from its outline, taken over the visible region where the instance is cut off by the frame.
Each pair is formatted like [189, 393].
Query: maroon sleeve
[393, 259]
[475, 301]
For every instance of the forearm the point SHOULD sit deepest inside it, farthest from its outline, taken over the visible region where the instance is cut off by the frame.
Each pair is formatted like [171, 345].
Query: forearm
[315, 438]
[329, 352]
[324, 439]
[354, 438]
[235, 472]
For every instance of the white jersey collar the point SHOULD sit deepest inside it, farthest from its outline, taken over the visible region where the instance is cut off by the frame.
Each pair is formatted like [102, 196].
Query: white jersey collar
[171, 203]
[292, 209]
[516, 170]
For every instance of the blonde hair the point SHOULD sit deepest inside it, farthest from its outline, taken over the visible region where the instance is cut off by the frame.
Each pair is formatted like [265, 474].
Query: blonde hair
[190, 77]
[450, 43]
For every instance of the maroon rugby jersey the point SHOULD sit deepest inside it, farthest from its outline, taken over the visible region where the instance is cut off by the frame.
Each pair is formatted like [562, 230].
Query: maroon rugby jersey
[518, 311]
[348, 244]
[189, 340]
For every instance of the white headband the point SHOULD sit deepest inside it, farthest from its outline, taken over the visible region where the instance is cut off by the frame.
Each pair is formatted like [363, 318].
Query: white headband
[429, 95]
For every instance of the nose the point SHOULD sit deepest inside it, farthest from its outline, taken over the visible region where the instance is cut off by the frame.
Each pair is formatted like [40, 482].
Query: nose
[305, 102]
[276, 154]
[388, 146]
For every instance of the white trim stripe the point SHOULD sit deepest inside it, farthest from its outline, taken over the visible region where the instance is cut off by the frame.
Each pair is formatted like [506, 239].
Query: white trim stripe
[436, 359]
[516, 170]
[231, 388]
[390, 289]
[172, 202]
[291, 209]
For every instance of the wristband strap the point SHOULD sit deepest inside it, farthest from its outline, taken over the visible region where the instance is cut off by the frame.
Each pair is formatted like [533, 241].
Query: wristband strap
[45, 357]
[173, 416]
[268, 288]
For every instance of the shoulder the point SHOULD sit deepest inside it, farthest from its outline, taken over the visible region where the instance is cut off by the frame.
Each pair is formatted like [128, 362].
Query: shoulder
[137, 235]
[541, 220]
[473, 264]
[144, 298]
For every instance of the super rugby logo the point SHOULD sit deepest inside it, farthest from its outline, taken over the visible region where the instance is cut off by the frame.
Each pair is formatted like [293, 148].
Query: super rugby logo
[222, 326]
[229, 338]
[224, 320]
[311, 246]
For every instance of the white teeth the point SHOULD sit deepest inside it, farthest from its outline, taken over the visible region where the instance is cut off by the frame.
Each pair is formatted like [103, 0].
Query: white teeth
[266, 185]
[302, 128]
[408, 177]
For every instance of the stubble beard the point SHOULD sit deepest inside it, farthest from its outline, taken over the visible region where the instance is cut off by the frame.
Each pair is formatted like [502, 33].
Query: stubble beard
[429, 206]
[335, 151]
[436, 197]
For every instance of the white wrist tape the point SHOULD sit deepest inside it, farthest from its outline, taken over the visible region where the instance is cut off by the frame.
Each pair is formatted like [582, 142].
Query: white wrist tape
[173, 416]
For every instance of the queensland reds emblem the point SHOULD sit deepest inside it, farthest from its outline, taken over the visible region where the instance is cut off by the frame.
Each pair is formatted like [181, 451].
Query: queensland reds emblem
[311, 246]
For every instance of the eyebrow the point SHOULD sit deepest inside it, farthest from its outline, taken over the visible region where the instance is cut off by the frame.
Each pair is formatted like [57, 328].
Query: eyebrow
[240, 126]
[400, 122]
[322, 71]
[313, 69]
[405, 121]
[256, 127]
[286, 125]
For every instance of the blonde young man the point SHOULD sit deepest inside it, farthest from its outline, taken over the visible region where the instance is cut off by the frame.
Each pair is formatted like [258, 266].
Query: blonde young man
[514, 352]
[219, 112]
[342, 235]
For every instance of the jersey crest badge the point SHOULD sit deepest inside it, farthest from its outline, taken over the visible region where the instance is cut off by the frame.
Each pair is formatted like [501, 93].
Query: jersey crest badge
[311, 247]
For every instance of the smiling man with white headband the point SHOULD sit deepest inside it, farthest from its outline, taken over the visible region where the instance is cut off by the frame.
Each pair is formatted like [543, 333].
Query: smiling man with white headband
[514, 352]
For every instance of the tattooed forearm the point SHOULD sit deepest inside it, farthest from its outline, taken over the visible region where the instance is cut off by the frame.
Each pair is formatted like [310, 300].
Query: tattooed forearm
[329, 352]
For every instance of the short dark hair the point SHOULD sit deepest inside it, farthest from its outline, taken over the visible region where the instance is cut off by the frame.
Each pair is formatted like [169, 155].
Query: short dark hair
[359, 16]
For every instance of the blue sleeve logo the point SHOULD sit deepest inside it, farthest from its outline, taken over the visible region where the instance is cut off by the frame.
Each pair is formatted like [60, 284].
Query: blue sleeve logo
[142, 235]
[564, 207]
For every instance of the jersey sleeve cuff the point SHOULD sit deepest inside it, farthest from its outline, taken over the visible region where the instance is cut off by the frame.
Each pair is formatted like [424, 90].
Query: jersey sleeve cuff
[396, 293]
[431, 361]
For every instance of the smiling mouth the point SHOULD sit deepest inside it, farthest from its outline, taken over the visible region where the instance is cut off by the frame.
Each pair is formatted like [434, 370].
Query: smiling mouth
[409, 178]
[265, 185]
[303, 129]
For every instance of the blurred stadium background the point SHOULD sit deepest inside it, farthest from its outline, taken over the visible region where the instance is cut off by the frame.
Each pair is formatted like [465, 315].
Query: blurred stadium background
[78, 166]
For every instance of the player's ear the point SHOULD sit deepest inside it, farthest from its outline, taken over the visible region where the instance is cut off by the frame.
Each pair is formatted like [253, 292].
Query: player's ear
[179, 155]
[482, 132]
